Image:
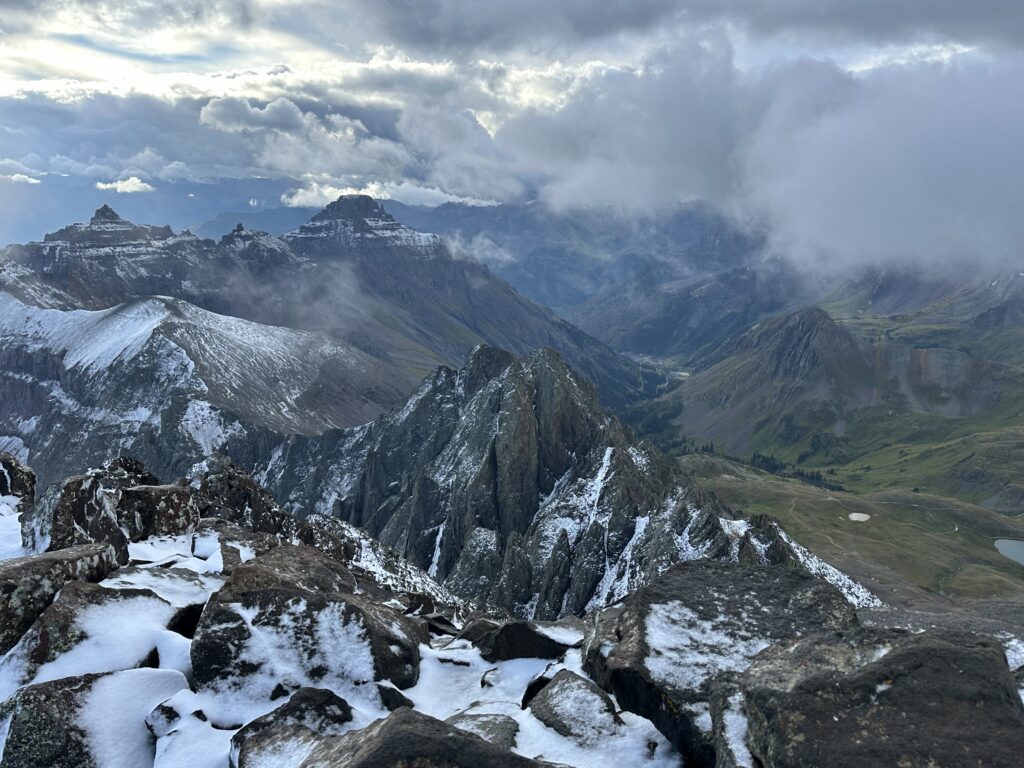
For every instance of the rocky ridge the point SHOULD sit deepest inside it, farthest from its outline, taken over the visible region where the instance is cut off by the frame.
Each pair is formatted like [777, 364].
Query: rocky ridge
[218, 644]
[508, 483]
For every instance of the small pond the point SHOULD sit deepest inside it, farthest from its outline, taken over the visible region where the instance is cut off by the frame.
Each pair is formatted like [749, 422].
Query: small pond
[1011, 548]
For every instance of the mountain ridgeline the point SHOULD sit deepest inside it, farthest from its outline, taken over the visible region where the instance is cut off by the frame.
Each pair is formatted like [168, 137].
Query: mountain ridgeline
[124, 336]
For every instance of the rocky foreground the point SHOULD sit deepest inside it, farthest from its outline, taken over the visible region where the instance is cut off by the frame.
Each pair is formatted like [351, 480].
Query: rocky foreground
[198, 624]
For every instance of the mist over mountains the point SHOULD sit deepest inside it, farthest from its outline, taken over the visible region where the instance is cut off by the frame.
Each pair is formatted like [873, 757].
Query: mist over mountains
[519, 384]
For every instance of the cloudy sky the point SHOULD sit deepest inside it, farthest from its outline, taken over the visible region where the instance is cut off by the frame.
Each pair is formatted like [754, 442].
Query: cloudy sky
[850, 129]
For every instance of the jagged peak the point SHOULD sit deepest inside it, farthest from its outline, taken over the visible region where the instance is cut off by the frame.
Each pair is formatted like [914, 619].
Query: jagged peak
[105, 214]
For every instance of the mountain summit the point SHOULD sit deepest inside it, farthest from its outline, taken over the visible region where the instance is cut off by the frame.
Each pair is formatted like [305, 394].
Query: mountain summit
[361, 221]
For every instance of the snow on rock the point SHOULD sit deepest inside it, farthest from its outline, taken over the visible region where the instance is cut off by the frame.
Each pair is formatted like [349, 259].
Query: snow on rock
[451, 683]
[207, 427]
[686, 650]
[10, 528]
[99, 630]
[114, 712]
[858, 595]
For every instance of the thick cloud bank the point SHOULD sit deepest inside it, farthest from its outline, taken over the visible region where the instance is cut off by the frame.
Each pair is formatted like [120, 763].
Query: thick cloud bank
[850, 132]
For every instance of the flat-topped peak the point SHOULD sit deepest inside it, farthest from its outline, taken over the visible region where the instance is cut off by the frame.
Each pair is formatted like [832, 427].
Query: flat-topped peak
[353, 207]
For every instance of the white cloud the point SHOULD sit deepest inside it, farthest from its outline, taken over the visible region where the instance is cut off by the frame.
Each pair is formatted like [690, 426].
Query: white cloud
[125, 186]
[316, 194]
[19, 178]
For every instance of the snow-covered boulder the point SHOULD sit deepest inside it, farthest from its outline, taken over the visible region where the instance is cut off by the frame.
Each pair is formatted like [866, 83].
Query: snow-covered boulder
[883, 697]
[407, 737]
[287, 620]
[91, 720]
[90, 628]
[28, 584]
[575, 707]
[496, 728]
[294, 728]
[660, 649]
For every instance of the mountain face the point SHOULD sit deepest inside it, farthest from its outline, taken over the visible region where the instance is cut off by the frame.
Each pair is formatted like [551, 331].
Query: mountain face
[562, 259]
[122, 336]
[692, 323]
[807, 382]
[172, 625]
[507, 482]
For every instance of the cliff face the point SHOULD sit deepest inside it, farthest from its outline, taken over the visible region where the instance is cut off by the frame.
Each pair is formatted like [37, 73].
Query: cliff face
[508, 482]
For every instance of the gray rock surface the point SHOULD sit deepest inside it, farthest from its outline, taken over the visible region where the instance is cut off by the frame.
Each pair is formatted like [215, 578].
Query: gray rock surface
[408, 738]
[660, 649]
[28, 584]
[308, 716]
[876, 697]
[500, 730]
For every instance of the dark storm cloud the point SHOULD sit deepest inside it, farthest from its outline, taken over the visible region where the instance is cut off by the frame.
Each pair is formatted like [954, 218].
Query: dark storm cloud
[445, 25]
[629, 104]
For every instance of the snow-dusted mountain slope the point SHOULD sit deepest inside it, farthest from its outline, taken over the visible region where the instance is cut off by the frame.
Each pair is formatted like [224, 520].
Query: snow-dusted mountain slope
[166, 379]
[111, 329]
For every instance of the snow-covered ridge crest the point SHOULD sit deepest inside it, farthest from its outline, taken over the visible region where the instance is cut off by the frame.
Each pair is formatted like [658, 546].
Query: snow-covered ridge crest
[89, 340]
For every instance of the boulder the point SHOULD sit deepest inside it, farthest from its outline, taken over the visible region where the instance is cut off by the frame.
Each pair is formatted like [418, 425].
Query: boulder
[17, 480]
[225, 490]
[884, 697]
[500, 730]
[476, 628]
[659, 650]
[408, 738]
[92, 720]
[123, 626]
[300, 723]
[120, 503]
[85, 513]
[519, 640]
[283, 621]
[391, 698]
[575, 707]
[28, 584]
[156, 510]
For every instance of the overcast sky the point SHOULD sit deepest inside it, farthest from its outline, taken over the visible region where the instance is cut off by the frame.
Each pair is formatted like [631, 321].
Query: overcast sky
[851, 129]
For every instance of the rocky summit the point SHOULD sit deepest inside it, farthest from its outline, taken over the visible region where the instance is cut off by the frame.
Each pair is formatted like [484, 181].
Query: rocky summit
[200, 623]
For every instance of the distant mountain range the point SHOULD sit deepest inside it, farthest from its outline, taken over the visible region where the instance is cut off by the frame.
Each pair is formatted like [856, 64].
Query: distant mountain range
[112, 329]
[560, 259]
